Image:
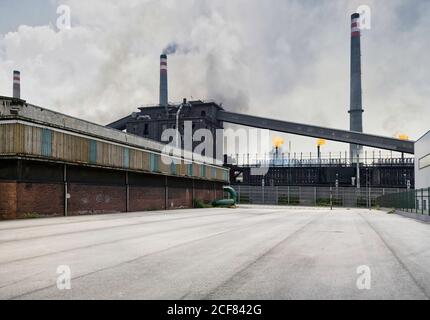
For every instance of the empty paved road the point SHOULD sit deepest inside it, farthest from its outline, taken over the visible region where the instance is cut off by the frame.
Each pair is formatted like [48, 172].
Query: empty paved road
[248, 252]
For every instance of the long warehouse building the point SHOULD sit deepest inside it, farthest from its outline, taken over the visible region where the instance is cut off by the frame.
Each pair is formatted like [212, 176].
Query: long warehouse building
[54, 164]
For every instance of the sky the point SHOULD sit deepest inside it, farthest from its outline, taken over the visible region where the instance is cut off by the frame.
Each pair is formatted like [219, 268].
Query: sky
[284, 59]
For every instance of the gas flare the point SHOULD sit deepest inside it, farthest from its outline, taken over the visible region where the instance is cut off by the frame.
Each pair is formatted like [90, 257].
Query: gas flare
[278, 142]
[403, 137]
[321, 142]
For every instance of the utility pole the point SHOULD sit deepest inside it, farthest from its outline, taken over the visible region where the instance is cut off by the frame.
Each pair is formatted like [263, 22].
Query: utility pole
[358, 171]
[331, 198]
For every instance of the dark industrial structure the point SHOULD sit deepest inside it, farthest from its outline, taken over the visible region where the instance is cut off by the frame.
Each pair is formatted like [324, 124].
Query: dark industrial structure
[150, 122]
[340, 172]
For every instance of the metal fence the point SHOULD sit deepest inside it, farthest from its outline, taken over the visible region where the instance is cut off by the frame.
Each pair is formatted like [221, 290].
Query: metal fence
[312, 196]
[417, 201]
[300, 159]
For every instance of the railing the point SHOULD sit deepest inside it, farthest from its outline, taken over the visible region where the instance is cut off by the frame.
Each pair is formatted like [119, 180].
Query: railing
[312, 196]
[297, 159]
[416, 201]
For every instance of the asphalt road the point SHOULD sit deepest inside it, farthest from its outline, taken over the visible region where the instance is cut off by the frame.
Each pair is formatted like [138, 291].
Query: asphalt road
[244, 253]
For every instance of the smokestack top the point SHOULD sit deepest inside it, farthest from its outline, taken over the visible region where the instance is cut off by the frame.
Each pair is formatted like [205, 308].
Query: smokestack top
[164, 96]
[355, 25]
[163, 63]
[16, 77]
[16, 84]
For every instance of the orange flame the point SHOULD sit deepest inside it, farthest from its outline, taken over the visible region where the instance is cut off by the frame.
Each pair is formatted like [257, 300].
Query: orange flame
[277, 142]
[321, 142]
[403, 137]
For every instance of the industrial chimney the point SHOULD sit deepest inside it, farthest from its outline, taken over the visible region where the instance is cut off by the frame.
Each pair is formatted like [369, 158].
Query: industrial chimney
[17, 84]
[356, 108]
[163, 81]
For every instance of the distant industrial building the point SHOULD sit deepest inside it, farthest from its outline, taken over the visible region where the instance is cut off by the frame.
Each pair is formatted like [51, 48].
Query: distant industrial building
[422, 162]
[151, 121]
[374, 171]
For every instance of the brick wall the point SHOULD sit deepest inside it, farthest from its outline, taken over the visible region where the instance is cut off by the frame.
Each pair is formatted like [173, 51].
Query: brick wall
[180, 197]
[96, 199]
[40, 198]
[206, 191]
[97, 192]
[146, 198]
[180, 193]
[7, 200]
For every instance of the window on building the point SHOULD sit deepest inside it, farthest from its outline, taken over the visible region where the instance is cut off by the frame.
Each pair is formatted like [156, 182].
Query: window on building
[146, 129]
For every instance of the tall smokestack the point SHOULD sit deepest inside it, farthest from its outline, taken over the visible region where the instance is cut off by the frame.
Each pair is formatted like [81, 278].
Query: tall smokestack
[17, 84]
[356, 108]
[164, 96]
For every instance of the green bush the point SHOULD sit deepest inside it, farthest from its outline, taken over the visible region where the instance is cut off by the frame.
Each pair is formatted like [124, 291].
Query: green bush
[293, 200]
[198, 203]
[31, 215]
[243, 199]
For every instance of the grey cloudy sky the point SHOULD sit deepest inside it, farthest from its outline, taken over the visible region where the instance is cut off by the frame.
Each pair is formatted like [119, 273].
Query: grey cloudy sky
[285, 59]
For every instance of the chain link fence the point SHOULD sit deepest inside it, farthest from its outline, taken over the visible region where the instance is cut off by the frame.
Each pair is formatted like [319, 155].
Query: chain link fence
[416, 201]
[312, 196]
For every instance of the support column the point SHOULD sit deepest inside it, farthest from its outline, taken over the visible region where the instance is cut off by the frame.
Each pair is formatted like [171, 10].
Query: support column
[127, 193]
[66, 192]
[166, 194]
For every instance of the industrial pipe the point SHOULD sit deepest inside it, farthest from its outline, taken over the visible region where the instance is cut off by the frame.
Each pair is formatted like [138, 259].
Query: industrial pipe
[227, 202]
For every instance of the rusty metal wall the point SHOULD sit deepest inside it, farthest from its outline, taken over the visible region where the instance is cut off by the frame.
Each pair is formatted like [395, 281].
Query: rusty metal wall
[38, 142]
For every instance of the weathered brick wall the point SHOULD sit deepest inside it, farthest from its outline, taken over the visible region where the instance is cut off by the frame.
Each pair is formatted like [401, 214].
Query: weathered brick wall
[40, 199]
[146, 198]
[180, 193]
[95, 199]
[206, 191]
[41, 191]
[7, 200]
[180, 198]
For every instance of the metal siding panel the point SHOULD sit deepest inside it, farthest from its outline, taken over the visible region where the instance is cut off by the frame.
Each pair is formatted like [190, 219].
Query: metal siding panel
[93, 152]
[202, 171]
[196, 170]
[36, 141]
[162, 167]
[46, 142]
[213, 173]
[146, 161]
[2, 139]
[126, 157]
[135, 159]
[17, 138]
[173, 168]
[190, 169]
[152, 162]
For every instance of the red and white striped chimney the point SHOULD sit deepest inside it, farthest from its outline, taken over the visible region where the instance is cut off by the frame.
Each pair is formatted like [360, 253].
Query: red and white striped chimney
[355, 25]
[164, 96]
[17, 84]
[356, 106]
